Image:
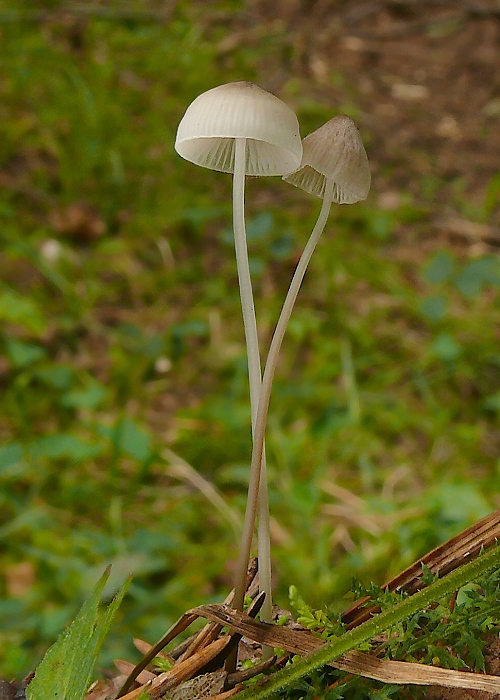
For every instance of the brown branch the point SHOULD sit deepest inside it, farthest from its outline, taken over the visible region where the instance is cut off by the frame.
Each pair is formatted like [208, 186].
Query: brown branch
[441, 560]
[302, 642]
[198, 642]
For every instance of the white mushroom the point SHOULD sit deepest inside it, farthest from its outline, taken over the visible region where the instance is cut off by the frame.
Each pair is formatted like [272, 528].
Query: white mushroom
[334, 154]
[335, 167]
[216, 120]
[241, 129]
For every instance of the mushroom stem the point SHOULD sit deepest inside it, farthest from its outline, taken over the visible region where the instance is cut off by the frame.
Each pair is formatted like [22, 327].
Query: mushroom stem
[267, 381]
[244, 279]
[264, 548]
[255, 379]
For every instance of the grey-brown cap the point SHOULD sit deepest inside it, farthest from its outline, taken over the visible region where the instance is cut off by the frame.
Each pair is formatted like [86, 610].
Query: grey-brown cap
[207, 130]
[334, 152]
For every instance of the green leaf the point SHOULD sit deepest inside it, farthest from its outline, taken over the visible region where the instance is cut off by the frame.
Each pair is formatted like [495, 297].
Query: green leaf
[90, 397]
[133, 440]
[491, 403]
[282, 247]
[20, 310]
[381, 223]
[477, 274]
[440, 268]
[9, 455]
[492, 195]
[57, 376]
[259, 226]
[199, 215]
[256, 229]
[62, 445]
[66, 669]
[458, 502]
[434, 307]
[23, 354]
[195, 329]
[446, 348]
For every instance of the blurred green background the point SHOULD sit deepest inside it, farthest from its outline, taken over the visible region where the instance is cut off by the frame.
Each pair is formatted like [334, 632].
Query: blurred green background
[124, 423]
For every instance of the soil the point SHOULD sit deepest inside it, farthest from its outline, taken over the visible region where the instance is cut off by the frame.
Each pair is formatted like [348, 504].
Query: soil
[425, 75]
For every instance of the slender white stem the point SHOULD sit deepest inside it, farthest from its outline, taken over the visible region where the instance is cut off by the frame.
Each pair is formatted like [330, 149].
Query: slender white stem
[245, 282]
[264, 548]
[267, 381]
[255, 380]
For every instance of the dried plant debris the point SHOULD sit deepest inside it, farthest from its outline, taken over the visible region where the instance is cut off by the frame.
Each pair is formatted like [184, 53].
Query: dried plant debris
[195, 668]
[200, 687]
[13, 691]
[443, 559]
[198, 672]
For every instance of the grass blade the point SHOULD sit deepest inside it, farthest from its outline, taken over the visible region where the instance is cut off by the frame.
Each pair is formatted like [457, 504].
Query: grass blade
[66, 669]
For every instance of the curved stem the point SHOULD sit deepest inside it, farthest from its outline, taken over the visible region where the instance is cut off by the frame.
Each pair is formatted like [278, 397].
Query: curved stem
[255, 379]
[267, 381]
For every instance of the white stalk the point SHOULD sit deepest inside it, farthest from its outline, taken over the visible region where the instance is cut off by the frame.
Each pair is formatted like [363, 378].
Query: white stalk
[267, 381]
[255, 379]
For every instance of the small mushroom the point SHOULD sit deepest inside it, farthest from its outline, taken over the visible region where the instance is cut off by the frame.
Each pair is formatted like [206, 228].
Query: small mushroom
[334, 154]
[334, 167]
[241, 129]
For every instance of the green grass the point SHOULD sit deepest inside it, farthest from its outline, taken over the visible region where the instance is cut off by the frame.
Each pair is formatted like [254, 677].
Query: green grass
[131, 340]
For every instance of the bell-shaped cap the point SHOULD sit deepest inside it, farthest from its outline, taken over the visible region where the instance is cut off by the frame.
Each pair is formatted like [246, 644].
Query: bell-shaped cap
[216, 118]
[334, 152]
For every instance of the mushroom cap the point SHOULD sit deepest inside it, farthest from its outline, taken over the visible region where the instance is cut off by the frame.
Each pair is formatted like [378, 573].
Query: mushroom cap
[207, 130]
[334, 152]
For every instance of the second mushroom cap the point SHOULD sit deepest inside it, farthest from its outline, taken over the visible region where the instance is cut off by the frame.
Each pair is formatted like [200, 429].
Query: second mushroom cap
[334, 152]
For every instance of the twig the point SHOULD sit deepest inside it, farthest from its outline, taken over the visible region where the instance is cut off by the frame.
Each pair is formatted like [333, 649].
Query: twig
[205, 635]
[367, 665]
[180, 469]
[470, 230]
[443, 559]
[180, 672]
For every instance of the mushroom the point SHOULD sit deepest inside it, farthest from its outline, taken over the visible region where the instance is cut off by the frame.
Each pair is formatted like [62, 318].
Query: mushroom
[240, 114]
[241, 129]
[334, 167]
[334, 155]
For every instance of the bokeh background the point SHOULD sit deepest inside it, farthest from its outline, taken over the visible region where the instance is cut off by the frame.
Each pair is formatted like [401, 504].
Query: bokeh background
[124, 422]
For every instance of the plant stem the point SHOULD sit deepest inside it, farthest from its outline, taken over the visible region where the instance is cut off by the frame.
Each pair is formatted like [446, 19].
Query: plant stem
[267, 381]
[255, 380]
[465, 574]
